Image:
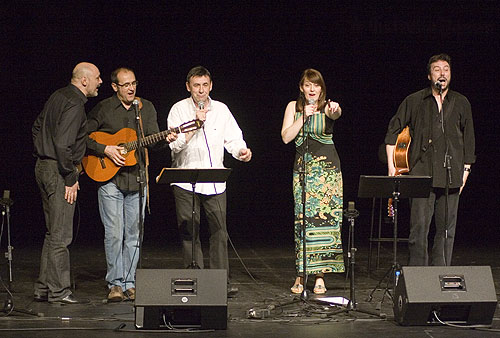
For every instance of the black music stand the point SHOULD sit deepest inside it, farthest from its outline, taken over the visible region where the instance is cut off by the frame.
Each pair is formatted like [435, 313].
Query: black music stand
[193, 176]
[395, 187]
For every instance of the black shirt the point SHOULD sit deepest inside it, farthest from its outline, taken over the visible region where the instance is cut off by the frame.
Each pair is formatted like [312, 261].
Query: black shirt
[428, 142]
[59, 132]
[109, 116]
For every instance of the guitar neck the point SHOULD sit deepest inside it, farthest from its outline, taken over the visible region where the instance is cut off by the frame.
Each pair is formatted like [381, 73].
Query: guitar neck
[151, 138]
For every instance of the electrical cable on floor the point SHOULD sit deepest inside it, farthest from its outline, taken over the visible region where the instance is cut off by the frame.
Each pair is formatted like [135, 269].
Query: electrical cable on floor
[121, 328]
[472, 327]
[241, 260]
[73, 242]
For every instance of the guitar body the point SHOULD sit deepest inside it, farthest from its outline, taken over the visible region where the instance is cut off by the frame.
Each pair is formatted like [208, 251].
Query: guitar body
[102, 169]
[401, 152]
[401, 161]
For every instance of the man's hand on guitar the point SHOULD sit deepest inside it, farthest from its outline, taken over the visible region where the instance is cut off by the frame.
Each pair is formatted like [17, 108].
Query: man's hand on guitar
[171, 137]
[115, 154]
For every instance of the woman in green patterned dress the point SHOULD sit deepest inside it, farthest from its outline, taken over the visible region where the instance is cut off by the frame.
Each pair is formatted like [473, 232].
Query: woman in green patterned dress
[323, 180]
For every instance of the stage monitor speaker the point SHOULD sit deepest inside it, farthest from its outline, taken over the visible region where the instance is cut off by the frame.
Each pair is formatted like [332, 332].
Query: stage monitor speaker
[181, 298]
[456, 294]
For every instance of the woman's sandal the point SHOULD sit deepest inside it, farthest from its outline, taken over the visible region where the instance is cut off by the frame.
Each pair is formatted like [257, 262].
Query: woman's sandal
[319, 289]
[297, 288]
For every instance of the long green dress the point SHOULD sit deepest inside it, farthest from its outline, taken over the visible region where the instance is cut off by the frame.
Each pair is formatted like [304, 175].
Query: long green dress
[324, 199]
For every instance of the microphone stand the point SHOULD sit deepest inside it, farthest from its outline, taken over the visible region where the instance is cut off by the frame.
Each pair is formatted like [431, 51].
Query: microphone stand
[8, 305]
[6, 203]
[447, 165]
[302, 177]
[194, 236]
[351, 214]
[141, 176]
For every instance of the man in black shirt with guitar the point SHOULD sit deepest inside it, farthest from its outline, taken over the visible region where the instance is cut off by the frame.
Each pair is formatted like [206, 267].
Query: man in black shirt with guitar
[117, 167]
[442, 146]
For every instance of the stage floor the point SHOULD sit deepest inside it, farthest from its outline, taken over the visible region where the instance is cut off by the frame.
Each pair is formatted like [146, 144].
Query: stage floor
[272, 270]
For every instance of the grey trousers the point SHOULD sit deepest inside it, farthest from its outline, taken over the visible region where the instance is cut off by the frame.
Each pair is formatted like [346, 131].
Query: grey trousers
[215, 211]
[54, 278]
[422, 210]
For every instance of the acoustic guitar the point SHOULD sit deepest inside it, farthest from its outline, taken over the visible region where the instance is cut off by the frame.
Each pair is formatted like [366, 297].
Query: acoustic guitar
[400, 158]
[102, 169]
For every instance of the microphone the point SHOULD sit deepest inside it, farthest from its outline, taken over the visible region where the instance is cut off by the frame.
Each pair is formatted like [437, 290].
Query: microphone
[135, 103]
[310, 101]
[201, 105]
[439, 86]
[6, 201]
[351, 211]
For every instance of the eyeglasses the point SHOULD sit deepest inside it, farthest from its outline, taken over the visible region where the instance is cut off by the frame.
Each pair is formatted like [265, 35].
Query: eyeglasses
[128, 84]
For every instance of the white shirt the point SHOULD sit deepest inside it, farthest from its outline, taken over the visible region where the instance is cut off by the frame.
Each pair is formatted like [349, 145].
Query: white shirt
[221, 130]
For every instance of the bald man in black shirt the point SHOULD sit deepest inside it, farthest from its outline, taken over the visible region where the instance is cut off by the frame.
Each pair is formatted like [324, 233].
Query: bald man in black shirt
[59, 137]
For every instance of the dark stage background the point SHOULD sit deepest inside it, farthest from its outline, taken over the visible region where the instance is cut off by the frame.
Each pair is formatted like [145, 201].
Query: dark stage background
[372, 55]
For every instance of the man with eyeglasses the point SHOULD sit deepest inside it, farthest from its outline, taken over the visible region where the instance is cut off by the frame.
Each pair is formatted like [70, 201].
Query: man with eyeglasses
[119, 197]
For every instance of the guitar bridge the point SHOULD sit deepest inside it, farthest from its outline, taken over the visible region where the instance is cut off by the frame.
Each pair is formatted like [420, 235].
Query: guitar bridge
[103, 164]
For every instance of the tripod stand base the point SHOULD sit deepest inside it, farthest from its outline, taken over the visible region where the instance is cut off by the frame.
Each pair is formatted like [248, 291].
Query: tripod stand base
[394, 271]
[305, 294]
[348, 306]
[193, 265]
[8, 308]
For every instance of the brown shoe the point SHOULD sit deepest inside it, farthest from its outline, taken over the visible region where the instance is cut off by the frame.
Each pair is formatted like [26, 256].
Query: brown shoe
[130, 294]
[115, 294]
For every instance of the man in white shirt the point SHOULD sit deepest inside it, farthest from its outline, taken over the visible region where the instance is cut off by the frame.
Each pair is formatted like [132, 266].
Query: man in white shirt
[204, 148]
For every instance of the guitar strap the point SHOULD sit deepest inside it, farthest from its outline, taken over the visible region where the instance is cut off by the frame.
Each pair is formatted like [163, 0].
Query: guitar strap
[146, 160]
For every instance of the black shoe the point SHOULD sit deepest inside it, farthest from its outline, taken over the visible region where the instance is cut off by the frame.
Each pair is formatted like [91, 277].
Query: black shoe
[232, 291]
[40, 298]
[69, 299]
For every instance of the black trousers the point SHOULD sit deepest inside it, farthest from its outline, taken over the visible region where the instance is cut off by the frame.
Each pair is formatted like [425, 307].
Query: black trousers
[215, 210]
[422, 210]
[54, 277]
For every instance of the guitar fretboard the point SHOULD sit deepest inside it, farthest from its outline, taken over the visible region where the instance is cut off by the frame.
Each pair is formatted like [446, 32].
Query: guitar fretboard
[151, 139]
